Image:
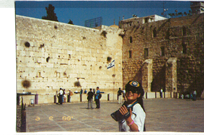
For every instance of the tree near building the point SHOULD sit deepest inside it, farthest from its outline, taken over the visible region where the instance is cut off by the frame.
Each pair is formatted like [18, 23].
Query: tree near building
[51, 15]
[70, 22]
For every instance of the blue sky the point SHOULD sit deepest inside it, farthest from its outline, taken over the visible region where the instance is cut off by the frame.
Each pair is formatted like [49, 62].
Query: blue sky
[80, 11]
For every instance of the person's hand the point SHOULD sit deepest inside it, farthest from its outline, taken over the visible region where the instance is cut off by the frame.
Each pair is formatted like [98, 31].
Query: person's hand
[124, 111]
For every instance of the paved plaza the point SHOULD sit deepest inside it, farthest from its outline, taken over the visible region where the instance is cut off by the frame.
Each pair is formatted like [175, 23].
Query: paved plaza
[162, 115]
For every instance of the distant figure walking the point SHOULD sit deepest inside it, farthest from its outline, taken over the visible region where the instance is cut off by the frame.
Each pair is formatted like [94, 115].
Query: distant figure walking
[69, 95]
[194, 95]
[161, 93]
[97, 98]
[60, 96]
[90, 98]
[120, 92]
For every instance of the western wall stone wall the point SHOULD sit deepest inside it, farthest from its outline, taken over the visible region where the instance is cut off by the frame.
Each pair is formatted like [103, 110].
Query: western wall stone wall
[52, 55]
[179, 39]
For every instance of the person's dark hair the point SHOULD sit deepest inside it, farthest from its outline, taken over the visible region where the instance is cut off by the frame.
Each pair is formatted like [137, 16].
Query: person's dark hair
[138, 87]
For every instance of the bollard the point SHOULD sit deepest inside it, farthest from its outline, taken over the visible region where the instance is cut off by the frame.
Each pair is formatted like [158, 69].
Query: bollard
[18, 100]
[80, 97]
[36, 98]
[68, 98]
[23, 117]
[65, 99]
[55, 100]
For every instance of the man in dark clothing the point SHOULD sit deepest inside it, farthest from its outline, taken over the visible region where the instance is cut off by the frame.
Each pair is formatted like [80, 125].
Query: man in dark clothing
[60, 96]
[97, 98]
[120, 96]
[90, 98]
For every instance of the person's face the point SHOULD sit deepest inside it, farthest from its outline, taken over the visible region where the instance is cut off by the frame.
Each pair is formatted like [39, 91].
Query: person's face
[131, 96]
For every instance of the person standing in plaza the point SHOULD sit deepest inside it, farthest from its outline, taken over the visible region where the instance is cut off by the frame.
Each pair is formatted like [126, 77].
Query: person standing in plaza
[60, 96]
[69, 95]
[194, 95]
[124, 98]
[161, 93]
[97, 98]
[90, 98]
[120, 96]
[131, 115]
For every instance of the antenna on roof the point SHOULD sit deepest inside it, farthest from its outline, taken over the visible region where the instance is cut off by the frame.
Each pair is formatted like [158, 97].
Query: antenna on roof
[164, 10]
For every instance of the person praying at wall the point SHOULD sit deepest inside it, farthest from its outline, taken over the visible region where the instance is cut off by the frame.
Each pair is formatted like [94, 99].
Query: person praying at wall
[61, 96]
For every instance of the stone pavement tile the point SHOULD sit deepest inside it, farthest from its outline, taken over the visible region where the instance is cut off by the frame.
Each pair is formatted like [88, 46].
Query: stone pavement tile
[172, 115]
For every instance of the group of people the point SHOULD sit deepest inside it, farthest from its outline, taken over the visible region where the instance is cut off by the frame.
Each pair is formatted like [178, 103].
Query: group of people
[192, 95]
[96, 96]
[61, 95]
[131, 115]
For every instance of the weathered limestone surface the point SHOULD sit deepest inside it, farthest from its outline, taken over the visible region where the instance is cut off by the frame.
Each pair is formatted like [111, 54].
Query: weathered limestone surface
[163, 54]
[53, 55]
[180, 38]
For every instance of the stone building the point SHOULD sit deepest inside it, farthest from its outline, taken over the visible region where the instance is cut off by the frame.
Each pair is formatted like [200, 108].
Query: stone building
[197, 7]
[52, 55]
[164, 53]
[160, 53]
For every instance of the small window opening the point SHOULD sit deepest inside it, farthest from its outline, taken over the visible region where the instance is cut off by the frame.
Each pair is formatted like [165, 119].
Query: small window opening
[184, 31]
[130, 54]
[27, 44]
[146, 53]
[146, 20]
[184, 49]
[55, 27]
[130, 39]
[162, 51]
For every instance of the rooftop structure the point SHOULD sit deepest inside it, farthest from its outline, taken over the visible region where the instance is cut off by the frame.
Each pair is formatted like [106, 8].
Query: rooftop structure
[140, 20]
[197, 7]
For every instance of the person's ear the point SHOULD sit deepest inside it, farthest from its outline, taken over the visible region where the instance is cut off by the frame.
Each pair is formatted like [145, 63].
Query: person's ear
[139, 95]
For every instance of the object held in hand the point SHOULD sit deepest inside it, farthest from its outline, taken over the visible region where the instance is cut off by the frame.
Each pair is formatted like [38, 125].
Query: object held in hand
[117, 116]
